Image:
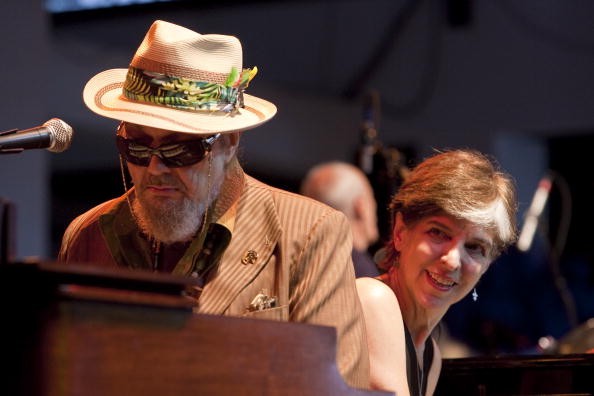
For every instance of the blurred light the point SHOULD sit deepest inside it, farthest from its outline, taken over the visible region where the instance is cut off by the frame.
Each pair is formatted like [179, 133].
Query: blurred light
[57, 6]
[547, 344]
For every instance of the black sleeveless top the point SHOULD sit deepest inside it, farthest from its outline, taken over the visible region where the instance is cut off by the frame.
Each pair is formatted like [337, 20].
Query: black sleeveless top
[417, 376]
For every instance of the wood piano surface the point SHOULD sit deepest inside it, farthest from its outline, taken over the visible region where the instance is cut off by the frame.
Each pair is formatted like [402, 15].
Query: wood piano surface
[86, 331]
[550, 375]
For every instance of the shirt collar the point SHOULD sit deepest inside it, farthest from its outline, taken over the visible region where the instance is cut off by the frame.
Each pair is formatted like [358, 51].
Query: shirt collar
[130, 249]
[225, 206]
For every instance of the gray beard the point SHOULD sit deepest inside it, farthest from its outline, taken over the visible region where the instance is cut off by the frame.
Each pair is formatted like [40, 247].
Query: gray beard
[170, 221]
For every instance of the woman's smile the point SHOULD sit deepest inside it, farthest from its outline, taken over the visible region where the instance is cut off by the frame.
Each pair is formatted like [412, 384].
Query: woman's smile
[439, 282]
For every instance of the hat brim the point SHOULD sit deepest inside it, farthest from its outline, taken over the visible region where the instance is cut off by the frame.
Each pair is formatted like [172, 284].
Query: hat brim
[103, 95]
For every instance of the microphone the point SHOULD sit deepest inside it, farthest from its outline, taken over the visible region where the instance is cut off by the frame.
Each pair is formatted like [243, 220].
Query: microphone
[54, 135]
[533, 214]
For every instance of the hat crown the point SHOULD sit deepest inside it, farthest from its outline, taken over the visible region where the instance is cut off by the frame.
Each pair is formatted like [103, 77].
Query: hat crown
[180, 80]
[176, 51]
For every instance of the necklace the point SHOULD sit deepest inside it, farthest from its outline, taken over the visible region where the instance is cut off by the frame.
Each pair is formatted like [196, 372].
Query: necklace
[163, 259]
[415, 363]
[415, 371]
[156, 244]
[420, 377]
[156, 249]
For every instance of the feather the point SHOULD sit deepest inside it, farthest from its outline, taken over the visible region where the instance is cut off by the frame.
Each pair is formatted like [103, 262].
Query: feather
[232, 77]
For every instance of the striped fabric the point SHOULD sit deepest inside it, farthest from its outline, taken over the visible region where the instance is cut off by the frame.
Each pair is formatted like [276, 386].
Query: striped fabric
[303, 259]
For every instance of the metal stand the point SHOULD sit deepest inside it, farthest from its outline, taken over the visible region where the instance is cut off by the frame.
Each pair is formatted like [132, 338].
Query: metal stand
[7, 214]
[6, 231]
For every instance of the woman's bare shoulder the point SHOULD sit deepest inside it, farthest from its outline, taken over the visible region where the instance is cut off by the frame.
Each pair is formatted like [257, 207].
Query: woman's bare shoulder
[377, 299]
[385, 336]
[374, 290]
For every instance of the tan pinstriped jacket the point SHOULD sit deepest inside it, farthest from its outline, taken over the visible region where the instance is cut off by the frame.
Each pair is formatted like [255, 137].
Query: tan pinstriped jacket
[304, 259]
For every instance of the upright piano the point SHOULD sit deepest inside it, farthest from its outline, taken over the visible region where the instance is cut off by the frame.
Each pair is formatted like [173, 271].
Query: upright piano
[85, 331]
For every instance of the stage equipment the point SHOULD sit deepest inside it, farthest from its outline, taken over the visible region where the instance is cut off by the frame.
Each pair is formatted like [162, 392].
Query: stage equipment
[54, 135]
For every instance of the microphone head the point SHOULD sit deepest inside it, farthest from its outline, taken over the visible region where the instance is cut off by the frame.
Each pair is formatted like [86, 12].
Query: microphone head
[60, 133]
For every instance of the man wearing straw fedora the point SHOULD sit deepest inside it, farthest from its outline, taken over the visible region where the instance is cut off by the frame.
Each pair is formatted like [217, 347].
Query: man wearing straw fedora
[259, 252]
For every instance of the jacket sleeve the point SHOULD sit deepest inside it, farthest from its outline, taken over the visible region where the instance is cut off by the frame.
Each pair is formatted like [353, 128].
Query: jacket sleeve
[83, 243]
[324, 293]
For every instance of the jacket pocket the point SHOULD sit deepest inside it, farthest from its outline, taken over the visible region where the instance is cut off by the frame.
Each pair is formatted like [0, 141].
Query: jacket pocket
[277, 313]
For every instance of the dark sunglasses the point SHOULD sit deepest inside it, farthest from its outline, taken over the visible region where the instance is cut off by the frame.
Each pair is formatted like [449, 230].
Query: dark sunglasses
[173, 155]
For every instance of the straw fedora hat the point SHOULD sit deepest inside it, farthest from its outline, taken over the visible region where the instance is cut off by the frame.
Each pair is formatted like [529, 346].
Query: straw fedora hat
[182, 81]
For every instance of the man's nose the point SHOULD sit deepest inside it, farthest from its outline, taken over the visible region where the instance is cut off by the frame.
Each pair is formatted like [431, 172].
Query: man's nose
[156, 166]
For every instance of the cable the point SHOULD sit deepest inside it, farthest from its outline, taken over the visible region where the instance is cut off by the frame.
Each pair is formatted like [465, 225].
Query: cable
[378, 56]
[431, 63]
[431, 66]
[541, 32]
[556, 250]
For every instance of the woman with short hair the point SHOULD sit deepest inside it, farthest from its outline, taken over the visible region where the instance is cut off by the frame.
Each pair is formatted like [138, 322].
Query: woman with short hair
[454, 215]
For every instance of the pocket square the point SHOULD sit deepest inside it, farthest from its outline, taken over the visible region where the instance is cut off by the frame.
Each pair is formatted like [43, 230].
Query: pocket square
[261, 302]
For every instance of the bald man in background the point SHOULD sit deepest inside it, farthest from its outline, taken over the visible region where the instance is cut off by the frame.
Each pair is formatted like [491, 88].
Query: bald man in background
[346, 188]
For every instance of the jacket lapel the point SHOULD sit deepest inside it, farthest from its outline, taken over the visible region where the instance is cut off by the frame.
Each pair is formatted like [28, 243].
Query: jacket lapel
[257, 229]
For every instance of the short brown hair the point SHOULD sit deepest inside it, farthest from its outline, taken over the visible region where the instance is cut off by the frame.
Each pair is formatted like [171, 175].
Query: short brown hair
[464, 184]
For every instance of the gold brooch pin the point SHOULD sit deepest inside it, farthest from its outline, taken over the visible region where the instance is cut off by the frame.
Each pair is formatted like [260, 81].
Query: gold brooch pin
[250, 257]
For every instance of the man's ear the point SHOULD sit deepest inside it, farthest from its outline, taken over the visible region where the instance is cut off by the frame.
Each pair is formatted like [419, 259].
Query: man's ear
[359, 208]
[231, 143]
[399, 231]
[234, 139]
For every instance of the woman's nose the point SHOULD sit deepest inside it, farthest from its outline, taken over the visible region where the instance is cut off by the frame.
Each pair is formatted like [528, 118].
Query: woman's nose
[452, 258]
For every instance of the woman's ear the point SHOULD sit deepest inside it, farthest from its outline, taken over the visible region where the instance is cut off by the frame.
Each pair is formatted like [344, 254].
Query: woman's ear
[398, 231]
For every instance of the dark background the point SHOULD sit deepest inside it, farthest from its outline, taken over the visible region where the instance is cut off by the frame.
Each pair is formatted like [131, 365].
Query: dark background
[512, 79]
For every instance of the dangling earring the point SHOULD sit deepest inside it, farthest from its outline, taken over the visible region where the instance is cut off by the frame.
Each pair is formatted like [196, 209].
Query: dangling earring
[474, 295]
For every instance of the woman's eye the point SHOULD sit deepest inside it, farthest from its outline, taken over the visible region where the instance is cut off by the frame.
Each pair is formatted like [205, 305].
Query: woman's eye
[476, 249]
[437, 233]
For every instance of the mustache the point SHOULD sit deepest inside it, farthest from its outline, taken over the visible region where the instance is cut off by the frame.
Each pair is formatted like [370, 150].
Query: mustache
[164, 180]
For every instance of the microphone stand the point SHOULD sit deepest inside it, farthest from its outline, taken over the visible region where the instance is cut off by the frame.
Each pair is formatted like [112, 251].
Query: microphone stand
[6, 231]
[557, 247]
[7, 215]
